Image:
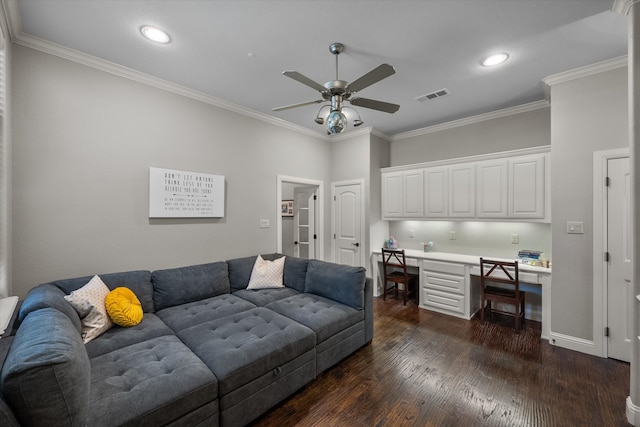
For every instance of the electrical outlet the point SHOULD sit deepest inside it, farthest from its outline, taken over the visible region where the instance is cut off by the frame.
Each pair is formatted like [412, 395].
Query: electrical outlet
[411, 233]
[264, 223]
[515, 239]
[452, 235]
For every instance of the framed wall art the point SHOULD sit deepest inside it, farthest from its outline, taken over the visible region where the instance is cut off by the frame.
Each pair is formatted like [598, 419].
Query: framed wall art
[182, 194]
[287, 208]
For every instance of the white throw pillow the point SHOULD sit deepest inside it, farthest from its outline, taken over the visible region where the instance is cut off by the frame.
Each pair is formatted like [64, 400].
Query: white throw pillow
[89, 302]
[267, 274]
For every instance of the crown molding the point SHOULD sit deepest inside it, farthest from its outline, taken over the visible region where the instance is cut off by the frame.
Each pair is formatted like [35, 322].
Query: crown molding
[19, 37]
[623, 6]
[536, 105]
[586, 71]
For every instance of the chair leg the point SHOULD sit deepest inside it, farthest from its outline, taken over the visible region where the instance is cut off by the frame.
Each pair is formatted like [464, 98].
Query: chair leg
[482, 308]
[384, 291]
[404, 293]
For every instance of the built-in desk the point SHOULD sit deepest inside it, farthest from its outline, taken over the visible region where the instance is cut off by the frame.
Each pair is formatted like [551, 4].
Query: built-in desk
[449, 284]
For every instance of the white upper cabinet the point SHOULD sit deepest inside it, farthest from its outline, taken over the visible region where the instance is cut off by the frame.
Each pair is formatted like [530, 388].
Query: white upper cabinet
[492, 185]
[436, 192]
[527, 187]
[462, 191]
[403, 194]
[392, 195]
[512, 185]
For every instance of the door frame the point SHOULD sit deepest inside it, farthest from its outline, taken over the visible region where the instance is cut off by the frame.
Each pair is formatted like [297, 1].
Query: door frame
[600, 285]
[365, 240]
[320, 209]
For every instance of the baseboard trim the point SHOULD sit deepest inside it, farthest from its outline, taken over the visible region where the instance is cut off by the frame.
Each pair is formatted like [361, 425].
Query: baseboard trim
[633, 412]
[573, 343]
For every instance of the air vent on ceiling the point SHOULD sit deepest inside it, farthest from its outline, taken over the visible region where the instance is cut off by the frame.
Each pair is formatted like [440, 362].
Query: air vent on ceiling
[433, 95]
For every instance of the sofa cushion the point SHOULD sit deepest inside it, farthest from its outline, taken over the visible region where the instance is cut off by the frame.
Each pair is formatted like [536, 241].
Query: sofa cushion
[89, 302]
[240, 272]
[182, 285]
[186, 315]
[294, 276]
[241, 347]
[267, 274]
[138, 281]
[118, 337]
[48, 296]
[262, 297]
[342, 283]
[150, 383]
[46, 376]
[322, 315]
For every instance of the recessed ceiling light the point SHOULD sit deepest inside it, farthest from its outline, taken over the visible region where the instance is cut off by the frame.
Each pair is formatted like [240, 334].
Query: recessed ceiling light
[495, 59]
[155, 34]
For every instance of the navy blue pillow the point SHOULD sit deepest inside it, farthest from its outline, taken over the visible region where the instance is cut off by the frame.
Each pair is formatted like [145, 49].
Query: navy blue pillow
[341, 283]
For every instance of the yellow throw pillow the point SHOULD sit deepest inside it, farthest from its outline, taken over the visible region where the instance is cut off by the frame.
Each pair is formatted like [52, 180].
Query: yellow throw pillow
[123, 307]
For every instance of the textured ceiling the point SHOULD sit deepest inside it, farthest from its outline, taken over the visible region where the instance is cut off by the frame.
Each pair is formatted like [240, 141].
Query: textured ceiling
[236, 50]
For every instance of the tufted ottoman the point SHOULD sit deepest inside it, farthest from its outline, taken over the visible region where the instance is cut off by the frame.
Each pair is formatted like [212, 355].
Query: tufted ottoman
[259, 357]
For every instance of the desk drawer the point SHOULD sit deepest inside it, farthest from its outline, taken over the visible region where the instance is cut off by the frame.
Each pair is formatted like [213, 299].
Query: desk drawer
[443, 301]
[443, 267]
[444, 282]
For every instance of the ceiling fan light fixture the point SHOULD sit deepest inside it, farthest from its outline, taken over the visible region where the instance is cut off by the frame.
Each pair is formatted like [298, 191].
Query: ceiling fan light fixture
[336, 122]
[155, 34]
[495, 59]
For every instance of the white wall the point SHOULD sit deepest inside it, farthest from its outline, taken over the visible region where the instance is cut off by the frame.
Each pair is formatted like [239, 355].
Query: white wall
[512, 132]
[83, 144]
[587, 114]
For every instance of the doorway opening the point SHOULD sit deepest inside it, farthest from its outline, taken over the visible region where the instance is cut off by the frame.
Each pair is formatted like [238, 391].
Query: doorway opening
[300, 218]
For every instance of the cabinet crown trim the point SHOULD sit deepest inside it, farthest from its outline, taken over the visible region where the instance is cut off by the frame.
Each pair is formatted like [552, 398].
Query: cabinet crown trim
[476, 158]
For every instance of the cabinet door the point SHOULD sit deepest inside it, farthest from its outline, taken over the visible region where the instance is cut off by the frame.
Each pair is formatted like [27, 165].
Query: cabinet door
[492, 185]
[413, 194]
[392, 195]
[436, 200]
[462, 191]
[527, 186]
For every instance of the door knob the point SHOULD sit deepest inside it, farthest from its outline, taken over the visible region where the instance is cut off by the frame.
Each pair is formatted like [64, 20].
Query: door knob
[356, 244]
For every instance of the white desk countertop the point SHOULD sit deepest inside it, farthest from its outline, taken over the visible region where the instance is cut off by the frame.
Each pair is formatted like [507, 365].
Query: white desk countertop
[464, 259]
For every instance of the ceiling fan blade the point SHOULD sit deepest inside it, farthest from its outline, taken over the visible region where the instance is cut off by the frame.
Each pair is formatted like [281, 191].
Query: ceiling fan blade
[387, 107]
[302, 104]
[304, 80]
[380, 72]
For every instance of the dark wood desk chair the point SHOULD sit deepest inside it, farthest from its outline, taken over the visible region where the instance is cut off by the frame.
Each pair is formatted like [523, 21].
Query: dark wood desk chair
[394, 270]
[508, 293]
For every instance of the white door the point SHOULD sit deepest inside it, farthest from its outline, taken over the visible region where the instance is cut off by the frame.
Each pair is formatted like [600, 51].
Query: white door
[348, 244]
[304, 234]
[619, 245]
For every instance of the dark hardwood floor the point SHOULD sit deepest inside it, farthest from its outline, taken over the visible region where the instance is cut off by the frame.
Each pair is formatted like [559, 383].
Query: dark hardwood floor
[428, 369]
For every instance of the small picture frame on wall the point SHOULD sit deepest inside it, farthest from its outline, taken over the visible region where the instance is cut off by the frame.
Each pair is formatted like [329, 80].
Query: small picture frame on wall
[287, 208]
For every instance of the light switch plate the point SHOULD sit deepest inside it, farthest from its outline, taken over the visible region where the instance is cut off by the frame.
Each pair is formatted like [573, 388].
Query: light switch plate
[515, 239]
[575, 227]
[452, 235]
[264, 223]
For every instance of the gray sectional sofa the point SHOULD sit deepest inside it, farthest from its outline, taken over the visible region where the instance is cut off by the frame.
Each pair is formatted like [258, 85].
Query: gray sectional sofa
[207, 352]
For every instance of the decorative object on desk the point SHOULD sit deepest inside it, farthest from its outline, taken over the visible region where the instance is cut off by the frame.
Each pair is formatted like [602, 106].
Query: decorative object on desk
[505, 275]
[394, 269]
[391, 243]
[531, 257]
[287, 208]
[427, 246]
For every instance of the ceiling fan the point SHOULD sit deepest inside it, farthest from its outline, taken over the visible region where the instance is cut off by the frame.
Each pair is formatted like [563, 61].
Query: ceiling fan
[338, 91]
